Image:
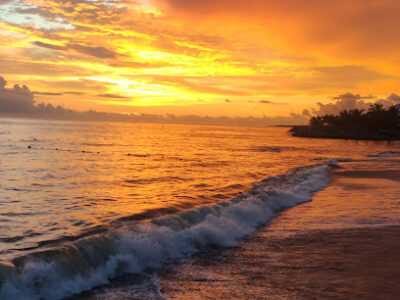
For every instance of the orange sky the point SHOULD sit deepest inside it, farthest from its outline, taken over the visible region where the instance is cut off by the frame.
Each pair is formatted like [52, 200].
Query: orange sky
[206, 57]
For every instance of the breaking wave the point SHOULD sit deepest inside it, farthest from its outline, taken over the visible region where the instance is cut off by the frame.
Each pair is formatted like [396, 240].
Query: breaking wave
[56, 273]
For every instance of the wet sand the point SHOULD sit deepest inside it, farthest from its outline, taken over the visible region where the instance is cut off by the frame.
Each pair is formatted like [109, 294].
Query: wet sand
[357, 263]
[361, 263]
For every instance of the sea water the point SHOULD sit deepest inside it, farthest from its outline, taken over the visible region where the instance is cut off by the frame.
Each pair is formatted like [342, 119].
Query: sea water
[82, 203]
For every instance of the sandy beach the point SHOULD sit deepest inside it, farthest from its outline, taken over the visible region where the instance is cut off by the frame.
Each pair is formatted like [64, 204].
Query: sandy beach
[358, 263]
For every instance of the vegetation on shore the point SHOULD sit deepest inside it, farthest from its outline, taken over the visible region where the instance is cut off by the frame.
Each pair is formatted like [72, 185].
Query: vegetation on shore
[378, 123]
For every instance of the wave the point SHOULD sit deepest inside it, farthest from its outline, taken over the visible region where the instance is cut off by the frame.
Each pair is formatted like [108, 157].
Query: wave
[386, 154]
[135, 247]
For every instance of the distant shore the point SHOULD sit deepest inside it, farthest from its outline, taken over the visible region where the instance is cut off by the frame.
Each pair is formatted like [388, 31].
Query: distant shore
[378, 123]
[310, 132]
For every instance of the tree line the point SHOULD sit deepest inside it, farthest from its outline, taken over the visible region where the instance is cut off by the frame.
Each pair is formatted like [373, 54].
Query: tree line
[376, 118]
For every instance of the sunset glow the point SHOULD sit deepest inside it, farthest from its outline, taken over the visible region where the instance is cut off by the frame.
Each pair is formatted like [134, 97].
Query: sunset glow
[218, 58]
[199, 149]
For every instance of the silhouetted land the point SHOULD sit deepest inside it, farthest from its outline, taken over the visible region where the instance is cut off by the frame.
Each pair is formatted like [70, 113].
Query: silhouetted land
[378, 123]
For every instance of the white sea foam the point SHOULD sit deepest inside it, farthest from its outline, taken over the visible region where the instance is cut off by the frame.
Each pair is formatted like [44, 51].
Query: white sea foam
[139, 246]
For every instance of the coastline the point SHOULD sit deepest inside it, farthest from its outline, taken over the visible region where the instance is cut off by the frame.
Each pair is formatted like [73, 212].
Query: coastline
[353, 263]
[318, 250]
[309, 132]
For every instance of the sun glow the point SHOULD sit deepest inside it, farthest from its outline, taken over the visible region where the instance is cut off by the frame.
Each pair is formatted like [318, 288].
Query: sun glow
[173, 53]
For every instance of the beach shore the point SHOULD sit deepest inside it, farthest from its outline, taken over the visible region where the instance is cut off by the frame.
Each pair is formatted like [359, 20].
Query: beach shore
[339, 246]
[356, 263]
[344, 244]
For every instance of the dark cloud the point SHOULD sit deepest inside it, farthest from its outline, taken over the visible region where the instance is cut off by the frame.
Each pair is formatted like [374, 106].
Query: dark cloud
[20, 100]
[351, 96]
[306, 113]
[73, 93]
[99, 52]
[394, 97]
[49, 46]
[228, 101]
[112, 96]
[47, 94]
[3, 83]
[267, 102]
[16, 99]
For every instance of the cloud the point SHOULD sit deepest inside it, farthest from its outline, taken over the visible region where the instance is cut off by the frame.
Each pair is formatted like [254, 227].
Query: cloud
[99, 52]
[73, 93]
[306, 113]
[350, 101]
[265, 102]
[228, 101]
[25, 14]
[227, 55]
[47, 94]
[3, 83]
[112, 96]
[394, 97]
[48, 46]
[16, 99]
[361, 27]
[351, 96]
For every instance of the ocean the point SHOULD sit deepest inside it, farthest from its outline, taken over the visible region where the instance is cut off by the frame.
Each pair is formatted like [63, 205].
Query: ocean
[92, 210]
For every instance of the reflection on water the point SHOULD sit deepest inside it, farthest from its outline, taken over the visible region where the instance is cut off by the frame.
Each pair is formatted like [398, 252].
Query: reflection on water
[62, 179]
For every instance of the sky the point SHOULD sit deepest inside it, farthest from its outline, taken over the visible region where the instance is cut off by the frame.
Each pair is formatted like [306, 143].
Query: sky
[214, 58]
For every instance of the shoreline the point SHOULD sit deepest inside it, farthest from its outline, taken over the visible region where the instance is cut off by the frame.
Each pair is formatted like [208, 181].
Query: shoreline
[351, 263]
[316, 250]
[348, 263]
[292, 257]
[309, 132]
